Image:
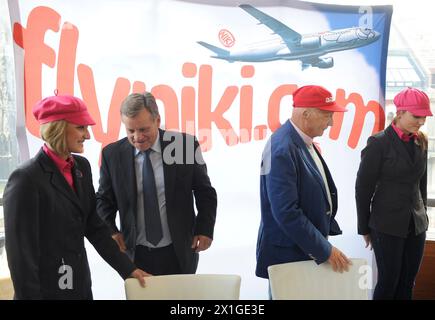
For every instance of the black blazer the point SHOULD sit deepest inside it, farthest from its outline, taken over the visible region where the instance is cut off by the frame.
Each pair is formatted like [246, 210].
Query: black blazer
[391, 187]
[45, 226]
[183, 182]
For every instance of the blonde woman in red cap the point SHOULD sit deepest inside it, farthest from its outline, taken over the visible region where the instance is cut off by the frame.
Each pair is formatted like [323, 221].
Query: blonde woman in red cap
[49, 208]
[391, 196]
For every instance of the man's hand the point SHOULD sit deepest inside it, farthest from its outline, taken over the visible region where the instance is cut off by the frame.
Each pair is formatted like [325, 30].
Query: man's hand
[339, 261]
[120, 241]
[201, 243]
[368, 241]
[139, 275]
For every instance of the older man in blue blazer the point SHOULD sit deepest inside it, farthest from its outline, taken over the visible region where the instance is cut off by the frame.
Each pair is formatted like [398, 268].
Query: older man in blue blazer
[298, 195]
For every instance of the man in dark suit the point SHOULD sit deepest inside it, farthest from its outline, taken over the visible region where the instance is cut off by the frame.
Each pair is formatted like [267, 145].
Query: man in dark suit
[298, 194]
[151, 178]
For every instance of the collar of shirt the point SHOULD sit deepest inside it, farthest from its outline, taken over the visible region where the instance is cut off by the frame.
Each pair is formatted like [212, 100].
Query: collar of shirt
[308, 140]
[403, 136]
[63, 165]
[155, 147]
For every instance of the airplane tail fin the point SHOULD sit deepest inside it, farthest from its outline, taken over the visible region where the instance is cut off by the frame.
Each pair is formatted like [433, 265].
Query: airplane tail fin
[220, 52]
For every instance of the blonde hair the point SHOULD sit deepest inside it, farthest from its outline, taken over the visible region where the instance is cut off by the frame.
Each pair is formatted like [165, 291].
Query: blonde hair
[421, 139]
[54, 133]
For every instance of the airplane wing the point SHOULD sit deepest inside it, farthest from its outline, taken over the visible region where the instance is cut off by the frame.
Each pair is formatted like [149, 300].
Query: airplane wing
[287, 34]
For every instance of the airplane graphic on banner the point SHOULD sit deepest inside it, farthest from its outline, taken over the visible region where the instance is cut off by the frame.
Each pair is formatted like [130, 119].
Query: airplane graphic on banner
[307, 48]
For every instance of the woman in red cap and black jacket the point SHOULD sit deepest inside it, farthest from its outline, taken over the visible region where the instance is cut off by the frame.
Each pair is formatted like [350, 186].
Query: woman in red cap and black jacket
[391, 196]
[49, 208]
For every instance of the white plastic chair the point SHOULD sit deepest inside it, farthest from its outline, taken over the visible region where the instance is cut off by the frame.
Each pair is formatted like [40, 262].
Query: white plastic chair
[6, 289]
[185, 287]
[305, 280]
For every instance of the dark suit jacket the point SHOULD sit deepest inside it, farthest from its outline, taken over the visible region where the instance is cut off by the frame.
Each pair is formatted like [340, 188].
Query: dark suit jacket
[183, 181]
[45, 226]
[391, 187]
[294, 204]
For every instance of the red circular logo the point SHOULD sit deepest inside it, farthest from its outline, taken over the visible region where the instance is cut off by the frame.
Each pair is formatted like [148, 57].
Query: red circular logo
[226, 38]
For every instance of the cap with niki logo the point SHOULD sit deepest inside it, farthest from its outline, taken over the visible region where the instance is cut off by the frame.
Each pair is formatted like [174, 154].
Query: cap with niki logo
[315, 97]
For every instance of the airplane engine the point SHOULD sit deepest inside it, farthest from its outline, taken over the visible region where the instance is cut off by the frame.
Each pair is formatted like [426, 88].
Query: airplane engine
[310, 43]
[325, 63]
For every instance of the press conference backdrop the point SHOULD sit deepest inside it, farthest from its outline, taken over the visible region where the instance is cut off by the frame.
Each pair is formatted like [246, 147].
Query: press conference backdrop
[103, 50]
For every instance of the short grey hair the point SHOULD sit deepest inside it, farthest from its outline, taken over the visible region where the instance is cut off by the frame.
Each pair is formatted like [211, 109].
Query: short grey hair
[136, 102]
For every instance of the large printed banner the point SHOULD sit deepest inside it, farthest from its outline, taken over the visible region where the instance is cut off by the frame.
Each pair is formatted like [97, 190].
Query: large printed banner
[222, 70]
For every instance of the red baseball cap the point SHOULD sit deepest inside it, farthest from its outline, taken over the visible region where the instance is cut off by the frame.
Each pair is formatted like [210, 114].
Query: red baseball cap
[64, 107]
[413, 100]
[315, 97]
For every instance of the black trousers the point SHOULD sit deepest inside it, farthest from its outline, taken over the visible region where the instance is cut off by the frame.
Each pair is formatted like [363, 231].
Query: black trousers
[398, 261]
[157, 261]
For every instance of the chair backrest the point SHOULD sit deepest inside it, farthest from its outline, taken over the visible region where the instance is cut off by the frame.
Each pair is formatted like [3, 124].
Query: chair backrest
[6, 289]
[185, 287]
[305, 280]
